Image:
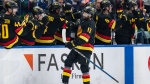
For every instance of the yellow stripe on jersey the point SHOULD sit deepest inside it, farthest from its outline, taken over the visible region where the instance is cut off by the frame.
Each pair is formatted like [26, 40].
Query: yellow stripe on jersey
[84, 48]
[113, 25]
[102, 39]
[84, 38]
[148, 27]
[44, 41]
[12, 44]
[20, 31]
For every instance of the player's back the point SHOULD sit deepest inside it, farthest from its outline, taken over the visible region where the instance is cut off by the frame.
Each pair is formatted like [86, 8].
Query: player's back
[8, 33]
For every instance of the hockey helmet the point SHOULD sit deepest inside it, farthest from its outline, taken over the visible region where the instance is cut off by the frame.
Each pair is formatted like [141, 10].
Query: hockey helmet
[67, 6]
[131, 4]
[54, 6]
[89, 10]
[104, 4]
[11, 4]
[37, 10]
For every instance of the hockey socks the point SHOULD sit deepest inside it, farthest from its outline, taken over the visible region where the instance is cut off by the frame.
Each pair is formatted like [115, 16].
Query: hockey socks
[66, 75]
[86, 78]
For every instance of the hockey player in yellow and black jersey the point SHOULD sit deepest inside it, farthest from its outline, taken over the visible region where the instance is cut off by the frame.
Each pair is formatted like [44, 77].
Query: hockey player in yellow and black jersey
[139, 19]
[128, 25]
[37, 24]
[119, 7]
[105, 25]
[11, 27]
[70, 21]
[85, 44]
[55, 22]
[148, 23]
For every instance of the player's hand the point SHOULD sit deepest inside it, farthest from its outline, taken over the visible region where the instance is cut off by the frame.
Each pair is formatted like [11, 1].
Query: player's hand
[69, 45]
[26, 18]
[77, 15]
[45, 20]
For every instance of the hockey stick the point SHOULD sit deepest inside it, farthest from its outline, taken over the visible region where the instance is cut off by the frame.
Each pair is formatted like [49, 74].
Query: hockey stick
[64, 40]
[95, 65]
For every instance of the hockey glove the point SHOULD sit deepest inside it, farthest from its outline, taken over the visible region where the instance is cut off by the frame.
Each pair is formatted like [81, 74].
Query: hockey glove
[26, 18]
[77, 15]
[70, 45]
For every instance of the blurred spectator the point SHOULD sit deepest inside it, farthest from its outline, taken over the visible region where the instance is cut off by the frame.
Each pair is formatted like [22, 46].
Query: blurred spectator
[147, 6]
[26, 6]
[76, 4]
[60, 2]
[42, 3]
[97, 5]
[1, 5]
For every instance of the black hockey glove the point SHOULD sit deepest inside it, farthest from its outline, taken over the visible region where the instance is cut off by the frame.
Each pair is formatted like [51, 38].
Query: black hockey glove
[70, 45]
[77, 15]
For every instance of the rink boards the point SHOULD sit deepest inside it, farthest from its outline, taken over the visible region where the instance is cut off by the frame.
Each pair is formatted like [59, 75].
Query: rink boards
[44, 64]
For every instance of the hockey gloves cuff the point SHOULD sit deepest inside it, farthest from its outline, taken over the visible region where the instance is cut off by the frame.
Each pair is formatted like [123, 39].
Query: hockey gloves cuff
[70, 45]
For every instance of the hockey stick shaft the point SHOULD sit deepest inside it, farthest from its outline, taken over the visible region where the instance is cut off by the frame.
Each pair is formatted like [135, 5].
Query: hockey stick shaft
[95, 65]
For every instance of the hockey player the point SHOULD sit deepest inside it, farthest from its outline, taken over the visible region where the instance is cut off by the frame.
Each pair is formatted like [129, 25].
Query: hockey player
[37, 24]
[141, 21]
[11, 27]
[55, 22]
[98, 10]
[105, 25]
[97, 5]
[128, 26]
[69, 19]
[119, 7]
[83, 43]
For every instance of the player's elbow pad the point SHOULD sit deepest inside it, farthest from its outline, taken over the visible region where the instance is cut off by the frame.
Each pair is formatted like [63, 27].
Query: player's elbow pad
[83, 38]
[19, 30]
[112, 24]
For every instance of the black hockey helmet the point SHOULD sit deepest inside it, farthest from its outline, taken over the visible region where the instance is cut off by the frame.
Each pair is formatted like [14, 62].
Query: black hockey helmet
[89, 4]
[54, 6]
[37, 10]
[104, 4]
[67, 6]
[11, 4]
[89, 10]
[131, 4]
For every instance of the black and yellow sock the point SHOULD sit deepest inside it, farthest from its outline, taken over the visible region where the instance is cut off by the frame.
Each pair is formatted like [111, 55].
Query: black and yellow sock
[66, 75]
[86, 78]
